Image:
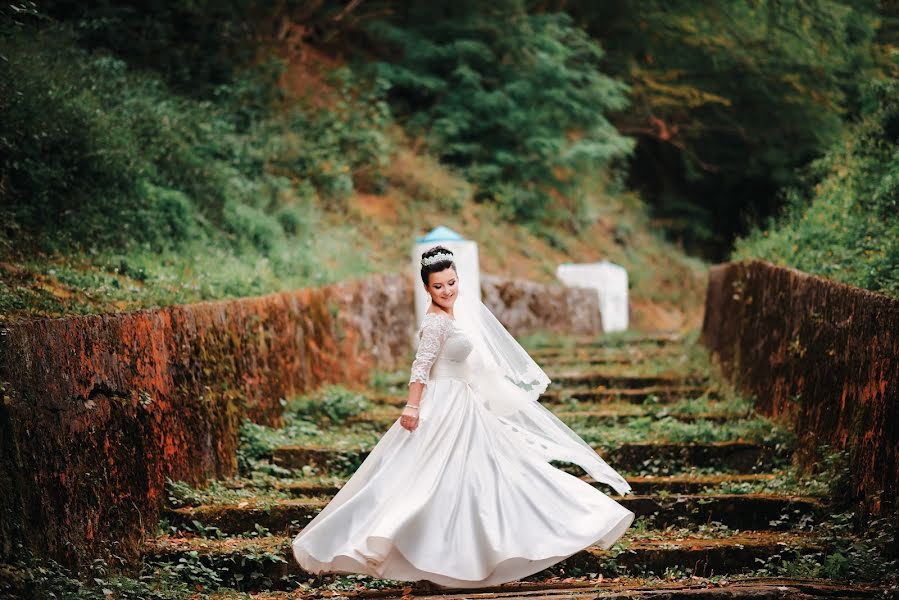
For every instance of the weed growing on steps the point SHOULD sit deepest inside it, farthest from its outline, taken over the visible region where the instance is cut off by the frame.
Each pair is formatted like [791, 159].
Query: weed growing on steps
[258, 486]
[786, 481]
[687, 359]
[644, 529]
[261, 440]
[730, 405]
[329, 405]
[257, 443]
[855, 548]
[612, 339]
[181, 494]
[330, 585]
[307, 419]
[389, 382]
[668, 429]
[846, 555]
[706, 403]
[31, 578]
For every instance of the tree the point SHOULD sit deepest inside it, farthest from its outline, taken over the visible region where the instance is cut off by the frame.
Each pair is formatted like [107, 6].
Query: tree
[729, 97]
[516, 100]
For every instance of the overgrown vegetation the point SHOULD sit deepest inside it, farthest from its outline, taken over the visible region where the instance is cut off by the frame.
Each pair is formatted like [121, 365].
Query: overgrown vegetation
[163, 154]
[730, 97]
[843, 223]
[144, 174]
[206, 197]
[330, 405]
[500, 92]
[668, 429]
[851, 548]
[310, 420]
[34, 578]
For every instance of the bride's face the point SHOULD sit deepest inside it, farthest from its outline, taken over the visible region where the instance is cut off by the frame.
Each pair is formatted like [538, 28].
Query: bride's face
[443, 287]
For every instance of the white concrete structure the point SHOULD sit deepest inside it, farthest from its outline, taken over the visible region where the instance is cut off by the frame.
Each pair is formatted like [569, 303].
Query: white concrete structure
[465, 255]
[610, 282]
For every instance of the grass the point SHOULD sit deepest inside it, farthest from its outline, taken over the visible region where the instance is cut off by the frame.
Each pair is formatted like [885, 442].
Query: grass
[331, 404]
[842, 222]
[36, 577]
[667, 429]
[389, 383]
[623, 429]
[569, 342]
[257, 485]
[732, 405]
[259, 441]
[159, 199]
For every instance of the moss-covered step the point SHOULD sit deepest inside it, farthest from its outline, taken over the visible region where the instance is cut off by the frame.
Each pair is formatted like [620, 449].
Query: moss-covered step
[737, 511]
[655, 457]
[620, 588]
[641, 484]
[688, 483]
[600, 395]
[279, 516]
[607, 418]
[253, 564]
[623, 354]
[382, 419]
[617, 341]
[625, 588]
[676, 457]
[576, 378]
[616, 356]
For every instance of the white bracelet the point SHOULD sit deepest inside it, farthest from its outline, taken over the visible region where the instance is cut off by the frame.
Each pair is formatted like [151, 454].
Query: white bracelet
[412, 405]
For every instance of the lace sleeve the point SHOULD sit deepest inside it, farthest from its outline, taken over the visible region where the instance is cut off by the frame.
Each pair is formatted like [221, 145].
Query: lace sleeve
[434, 331]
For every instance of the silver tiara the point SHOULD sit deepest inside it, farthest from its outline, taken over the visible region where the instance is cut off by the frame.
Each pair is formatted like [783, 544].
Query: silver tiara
[440, 256]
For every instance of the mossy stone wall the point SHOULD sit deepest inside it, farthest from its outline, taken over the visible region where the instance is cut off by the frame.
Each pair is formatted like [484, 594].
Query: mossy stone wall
[97, 411]
[820, 354]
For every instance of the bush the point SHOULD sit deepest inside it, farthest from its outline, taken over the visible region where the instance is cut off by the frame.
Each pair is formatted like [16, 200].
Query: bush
[517, 100]
[844, 222]
[95, 156]
[334, 403]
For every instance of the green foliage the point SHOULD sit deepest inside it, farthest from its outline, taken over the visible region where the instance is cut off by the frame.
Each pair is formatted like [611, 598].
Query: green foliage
[730, 96]
[846, 554]
[329, 585]
[515, 99]
[843, 222]
[66, 161]
[181, 494]
[389, 382]
[257, 442]
[220, 196]
[29, 577]
[195, 45]
[668, 429]
[332, 404]
[309, 421]
[112, 157]
[339, 148]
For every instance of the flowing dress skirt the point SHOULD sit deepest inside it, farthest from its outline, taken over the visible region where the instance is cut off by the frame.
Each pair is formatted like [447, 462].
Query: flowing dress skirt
[456, 502]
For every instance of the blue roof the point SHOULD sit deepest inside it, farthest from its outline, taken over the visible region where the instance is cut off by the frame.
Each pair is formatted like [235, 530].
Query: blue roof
[440, 234]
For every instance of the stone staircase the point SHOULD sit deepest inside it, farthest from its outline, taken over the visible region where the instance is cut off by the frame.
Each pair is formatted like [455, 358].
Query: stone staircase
[720, 511]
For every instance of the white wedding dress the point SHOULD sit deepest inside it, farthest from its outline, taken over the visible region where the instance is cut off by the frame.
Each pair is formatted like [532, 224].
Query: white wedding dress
[460, 501]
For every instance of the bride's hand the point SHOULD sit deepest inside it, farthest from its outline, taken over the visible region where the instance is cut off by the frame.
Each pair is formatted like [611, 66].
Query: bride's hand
[409, 418]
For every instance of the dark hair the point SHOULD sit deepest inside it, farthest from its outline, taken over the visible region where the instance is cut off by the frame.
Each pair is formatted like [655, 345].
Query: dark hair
[438, 266]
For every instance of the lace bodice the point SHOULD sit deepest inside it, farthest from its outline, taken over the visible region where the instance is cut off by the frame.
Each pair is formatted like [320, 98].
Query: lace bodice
[441, 343]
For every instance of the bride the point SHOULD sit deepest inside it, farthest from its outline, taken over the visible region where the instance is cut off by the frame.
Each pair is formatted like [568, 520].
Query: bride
[459, 491]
